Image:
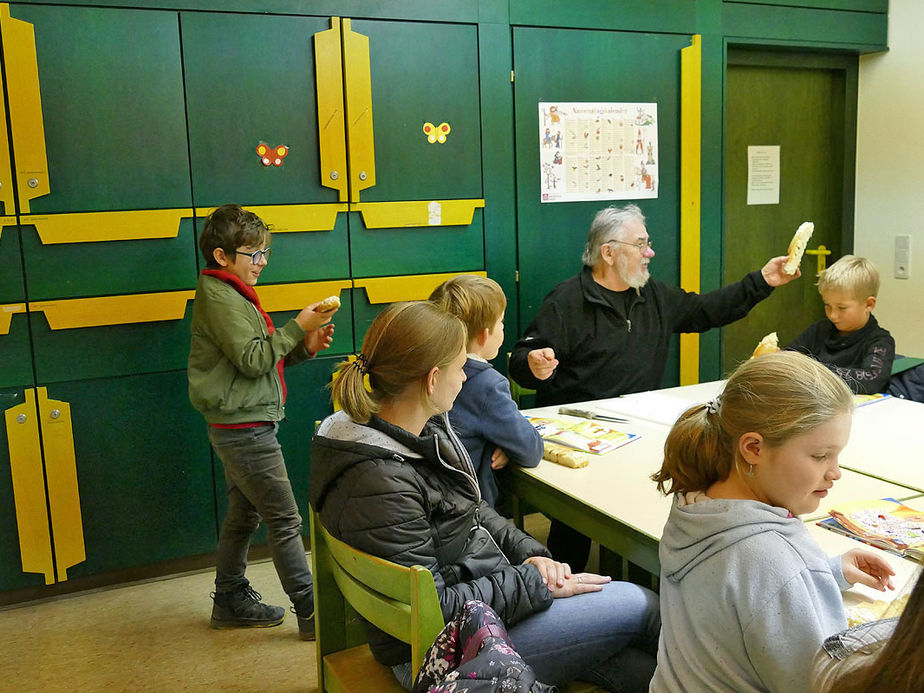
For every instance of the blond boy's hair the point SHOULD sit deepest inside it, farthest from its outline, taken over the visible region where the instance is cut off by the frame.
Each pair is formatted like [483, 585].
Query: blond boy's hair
[478, 302]
[852, 275]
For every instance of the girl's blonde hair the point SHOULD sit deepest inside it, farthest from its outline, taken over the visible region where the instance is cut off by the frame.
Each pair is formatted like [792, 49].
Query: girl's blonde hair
[781, 396]
[404, 342]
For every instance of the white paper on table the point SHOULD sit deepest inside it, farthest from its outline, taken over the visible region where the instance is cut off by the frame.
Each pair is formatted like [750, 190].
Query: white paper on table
[651, 406]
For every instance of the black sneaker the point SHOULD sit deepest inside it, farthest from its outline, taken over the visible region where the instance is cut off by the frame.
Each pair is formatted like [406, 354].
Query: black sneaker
[304, 611]
[242, 608]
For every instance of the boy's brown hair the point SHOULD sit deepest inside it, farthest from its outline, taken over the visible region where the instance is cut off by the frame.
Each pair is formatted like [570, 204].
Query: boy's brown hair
[852, 275]
[230, 227]
[478, 302]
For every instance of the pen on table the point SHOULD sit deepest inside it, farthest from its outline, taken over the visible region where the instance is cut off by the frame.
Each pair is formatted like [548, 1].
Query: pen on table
[587, 414]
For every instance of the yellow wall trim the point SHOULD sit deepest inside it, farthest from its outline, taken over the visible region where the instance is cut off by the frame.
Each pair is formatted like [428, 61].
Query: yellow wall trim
[279, 297]
[73, 313]
[6, 315]
[691, 60]
[417, 287]
[89, 227]
[395, 215]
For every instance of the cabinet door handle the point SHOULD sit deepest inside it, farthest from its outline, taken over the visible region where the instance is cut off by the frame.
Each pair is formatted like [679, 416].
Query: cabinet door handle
[331, 129]
[360, 136]
[25, 101]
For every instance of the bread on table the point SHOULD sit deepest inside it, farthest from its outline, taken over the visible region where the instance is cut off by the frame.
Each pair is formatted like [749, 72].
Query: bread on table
[767, 345]
[564, 456]
[797, 247]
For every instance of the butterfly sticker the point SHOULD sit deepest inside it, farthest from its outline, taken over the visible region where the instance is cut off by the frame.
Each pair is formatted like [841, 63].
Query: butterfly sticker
[436, 133]
[272, 156]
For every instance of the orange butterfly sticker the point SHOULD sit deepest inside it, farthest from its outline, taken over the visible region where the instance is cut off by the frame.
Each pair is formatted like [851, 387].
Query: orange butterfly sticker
[272, 156]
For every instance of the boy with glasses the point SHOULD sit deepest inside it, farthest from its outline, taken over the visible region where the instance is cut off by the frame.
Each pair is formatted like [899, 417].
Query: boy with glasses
[236, 381]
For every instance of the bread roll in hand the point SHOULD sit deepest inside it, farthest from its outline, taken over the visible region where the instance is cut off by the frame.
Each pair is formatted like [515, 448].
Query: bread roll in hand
[797, 247]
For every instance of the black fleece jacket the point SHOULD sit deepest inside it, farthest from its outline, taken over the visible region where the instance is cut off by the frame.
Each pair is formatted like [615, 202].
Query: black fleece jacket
[603, 351]
[415, 501]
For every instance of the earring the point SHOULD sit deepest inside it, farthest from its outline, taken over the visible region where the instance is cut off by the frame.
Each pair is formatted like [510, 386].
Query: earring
[750, 471]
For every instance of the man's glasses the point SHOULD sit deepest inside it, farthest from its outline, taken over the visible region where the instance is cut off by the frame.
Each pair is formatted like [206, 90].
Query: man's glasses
[640, 246]
[256, 255]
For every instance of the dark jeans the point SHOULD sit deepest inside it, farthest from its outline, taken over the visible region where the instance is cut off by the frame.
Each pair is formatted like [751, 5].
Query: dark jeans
[259, 488]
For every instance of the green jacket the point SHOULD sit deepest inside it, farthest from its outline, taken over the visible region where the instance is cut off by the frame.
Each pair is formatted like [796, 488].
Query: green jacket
[232, 358]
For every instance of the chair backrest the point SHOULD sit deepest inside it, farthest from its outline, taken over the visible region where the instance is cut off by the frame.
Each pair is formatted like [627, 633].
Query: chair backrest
[399, 600]
[516, 390]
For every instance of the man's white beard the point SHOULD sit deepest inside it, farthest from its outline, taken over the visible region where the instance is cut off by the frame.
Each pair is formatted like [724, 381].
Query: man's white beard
[635, 280]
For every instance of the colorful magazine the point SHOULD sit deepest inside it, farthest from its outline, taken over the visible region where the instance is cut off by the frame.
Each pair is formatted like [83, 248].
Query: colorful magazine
[884, 523]
[585, 435]
[863, 400]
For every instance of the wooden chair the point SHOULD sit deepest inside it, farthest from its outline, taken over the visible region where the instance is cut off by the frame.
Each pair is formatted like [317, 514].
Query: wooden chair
[401, 601]
[516, 390]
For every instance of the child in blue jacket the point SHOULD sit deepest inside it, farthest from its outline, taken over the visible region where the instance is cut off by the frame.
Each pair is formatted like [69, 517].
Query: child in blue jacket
[484, 415]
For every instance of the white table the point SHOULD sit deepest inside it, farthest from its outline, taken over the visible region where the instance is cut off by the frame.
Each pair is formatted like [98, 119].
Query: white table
[613, 499]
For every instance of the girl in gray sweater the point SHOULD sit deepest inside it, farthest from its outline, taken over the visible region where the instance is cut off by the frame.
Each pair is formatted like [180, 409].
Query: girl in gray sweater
[747, 597]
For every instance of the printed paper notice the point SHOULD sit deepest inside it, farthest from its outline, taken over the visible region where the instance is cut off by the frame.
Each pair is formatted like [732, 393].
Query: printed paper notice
[598, 151]
[764, 175]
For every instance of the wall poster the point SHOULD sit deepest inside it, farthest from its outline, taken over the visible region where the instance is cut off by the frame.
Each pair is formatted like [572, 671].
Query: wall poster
[598, 151]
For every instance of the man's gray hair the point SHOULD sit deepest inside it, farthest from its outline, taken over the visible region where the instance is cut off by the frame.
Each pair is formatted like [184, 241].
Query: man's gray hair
[606, 226]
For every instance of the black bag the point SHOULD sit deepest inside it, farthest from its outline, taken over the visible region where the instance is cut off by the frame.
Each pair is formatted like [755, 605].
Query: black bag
[473, 654]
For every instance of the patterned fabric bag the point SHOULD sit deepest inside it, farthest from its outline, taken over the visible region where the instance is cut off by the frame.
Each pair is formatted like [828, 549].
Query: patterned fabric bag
[472, 654]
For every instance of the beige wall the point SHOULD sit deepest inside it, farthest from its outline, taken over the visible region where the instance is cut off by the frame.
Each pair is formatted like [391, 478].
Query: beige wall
[890, 171]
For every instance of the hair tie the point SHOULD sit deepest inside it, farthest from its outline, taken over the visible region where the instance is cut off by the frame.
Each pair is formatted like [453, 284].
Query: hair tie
[712, 406]
[361, 363]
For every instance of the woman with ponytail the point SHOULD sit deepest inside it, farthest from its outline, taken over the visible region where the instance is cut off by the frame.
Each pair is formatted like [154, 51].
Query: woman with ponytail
[747, 596]
[389, 476]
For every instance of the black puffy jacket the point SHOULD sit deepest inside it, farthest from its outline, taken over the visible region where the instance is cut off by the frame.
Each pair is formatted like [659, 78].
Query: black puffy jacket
[415, 501]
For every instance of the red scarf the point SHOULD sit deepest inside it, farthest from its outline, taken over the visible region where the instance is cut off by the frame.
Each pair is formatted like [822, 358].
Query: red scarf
[250, 294]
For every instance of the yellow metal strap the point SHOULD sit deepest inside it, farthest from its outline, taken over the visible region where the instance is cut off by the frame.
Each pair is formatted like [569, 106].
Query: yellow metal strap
[294, 218]
[22, 432]
[358, 89]
[25, 102]
[331, 131]
[61, 472]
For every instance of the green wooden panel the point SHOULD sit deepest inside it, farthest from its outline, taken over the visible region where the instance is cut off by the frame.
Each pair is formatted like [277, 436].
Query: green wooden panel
[881, 6]
[114, 350]
[416, 250]
[797, 25]
[424, 73]
[112, 104]
[456, 11]
[11, 575]
[250, 79]
[802, 111]
[72, 270]
[11, 279]
[552, 65]
[304, 256]
[16, 354]
[629, 15]
[307, 401]
[146, 485]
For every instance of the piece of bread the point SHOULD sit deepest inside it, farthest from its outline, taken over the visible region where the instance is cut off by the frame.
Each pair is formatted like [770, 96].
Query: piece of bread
[797, 247]
[328, 304]
[767, 345]
[564, 456]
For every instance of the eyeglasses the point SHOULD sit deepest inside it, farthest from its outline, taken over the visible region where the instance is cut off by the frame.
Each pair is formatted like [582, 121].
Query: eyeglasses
[640, 246]
[256, 255]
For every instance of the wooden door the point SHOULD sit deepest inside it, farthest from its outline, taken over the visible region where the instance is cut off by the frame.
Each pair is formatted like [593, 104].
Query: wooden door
[807, 106]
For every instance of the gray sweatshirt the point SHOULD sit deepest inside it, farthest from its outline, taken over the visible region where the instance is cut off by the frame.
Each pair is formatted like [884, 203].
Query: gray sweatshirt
[747, 598]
